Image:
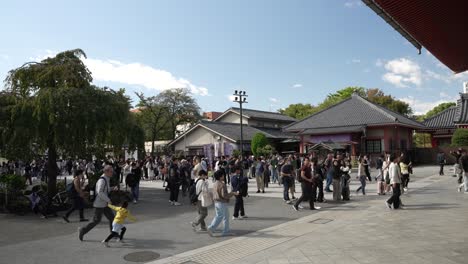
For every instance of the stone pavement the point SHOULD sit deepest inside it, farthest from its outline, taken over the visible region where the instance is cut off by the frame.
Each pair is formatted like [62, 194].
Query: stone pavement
[430, 229]
[165, 230]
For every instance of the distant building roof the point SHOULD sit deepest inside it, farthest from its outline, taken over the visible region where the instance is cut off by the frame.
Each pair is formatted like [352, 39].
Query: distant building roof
[231, 131]
[212, 115]
[353, 113]
[444, 119]
[461, 114]
[258, 114]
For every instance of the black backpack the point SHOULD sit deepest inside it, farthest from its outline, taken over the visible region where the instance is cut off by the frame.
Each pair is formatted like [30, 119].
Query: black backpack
[131, 180]
[244, 186]
[193, 195]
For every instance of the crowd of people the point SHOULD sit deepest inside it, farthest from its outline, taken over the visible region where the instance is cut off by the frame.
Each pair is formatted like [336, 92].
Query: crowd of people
[229, 179]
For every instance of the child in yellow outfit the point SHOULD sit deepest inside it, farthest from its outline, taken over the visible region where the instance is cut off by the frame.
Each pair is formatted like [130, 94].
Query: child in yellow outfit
[117, 224]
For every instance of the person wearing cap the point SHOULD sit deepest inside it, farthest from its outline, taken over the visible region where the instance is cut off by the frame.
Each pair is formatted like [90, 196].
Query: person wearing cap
[237, 183]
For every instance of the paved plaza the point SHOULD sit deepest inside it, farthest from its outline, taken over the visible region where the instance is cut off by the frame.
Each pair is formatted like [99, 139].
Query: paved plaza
[429, 230]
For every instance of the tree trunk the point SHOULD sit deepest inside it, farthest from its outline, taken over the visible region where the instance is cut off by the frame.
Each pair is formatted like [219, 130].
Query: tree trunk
[153, 138]
[51, 167]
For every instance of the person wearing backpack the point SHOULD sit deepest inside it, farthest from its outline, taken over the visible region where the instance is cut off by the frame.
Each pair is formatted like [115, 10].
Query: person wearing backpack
[200, 195]
[238, 185]
[76, 193]
[100, 203]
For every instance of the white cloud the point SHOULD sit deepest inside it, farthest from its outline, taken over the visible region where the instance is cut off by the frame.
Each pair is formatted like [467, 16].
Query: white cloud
[351, 4]
[273, 100]
[297, 85]
[421, 107]
[230, 97]
[402, 72]
[356, 61]
[139, 74]
[134, 74]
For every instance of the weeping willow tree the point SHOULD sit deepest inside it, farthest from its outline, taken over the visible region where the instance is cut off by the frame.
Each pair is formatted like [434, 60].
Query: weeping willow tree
[53, 108]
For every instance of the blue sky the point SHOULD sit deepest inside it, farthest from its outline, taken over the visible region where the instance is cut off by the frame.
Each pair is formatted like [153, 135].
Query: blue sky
[280, 52]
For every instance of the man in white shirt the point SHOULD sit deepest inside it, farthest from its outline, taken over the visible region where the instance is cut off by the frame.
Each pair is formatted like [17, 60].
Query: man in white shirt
[395, 181]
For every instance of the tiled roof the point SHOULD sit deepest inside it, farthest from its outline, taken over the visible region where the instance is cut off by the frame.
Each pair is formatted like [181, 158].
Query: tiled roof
[461, 115]
[333, 130]
[444, 119]
[355, 111]
[232, 131]
[257, 114]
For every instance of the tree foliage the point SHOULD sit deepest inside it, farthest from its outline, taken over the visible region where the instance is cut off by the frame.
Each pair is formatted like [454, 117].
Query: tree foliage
[460, 138]
[438, 109]
[52, 107]
[422, 140]
[377, 96]
[258, 141]
[160, 115]
[266, 151]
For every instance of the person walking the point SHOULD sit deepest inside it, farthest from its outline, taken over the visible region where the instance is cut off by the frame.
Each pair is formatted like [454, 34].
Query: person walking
[361, 175]
[405, 177]
[464, 166]
[337, 164]
[77, 195]
[366, 164]
[395, 180]
[441, 161]
[237, 182]
[117, 224]
[221, 199]
[274, 169]
[457, 171]
[204, 200]
[259, 176]
[174, 182]
[100, 203]
[287, 174]
[328, 165]
[132, 180]
[308, 186]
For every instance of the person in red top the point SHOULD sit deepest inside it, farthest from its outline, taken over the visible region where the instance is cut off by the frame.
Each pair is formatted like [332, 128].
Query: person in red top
[308, 186]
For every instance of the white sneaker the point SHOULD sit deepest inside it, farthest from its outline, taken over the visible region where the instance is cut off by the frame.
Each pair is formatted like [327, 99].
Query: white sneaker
[300, 207]
[459, 188]
[243, 217]
[388, 205]
[134, 201]
[317, 207]
[177, 204]
[105, 243]
[235, 218]
[405, 189]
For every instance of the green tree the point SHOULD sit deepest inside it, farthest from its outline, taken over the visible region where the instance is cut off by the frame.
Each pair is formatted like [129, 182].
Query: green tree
[64, 113]
[298, 111]
[266, 151]
[460, 138]
[379, 97]
[182, 108]
[340, 95]
[258, 141]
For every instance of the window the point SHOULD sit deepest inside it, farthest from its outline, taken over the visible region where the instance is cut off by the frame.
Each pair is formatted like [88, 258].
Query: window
[373, 146]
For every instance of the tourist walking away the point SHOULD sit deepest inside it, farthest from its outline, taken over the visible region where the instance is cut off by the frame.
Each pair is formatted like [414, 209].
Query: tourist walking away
[100, 202]
[174, 182]
[361, 176]
[76, 194]
[395, 180]
[203, 199]
[441, 161]
[380, 178]
[345, 180]
[319, 172]
[328, 164]
[117, 224]
[286, 174]
[464, 165]
[221, 199]
[238, 185]
[274, 169]
[307, 184]
[259, 176]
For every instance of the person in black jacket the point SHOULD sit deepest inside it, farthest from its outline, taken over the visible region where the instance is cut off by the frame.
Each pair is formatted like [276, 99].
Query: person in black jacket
[237, 184]
[174, 182]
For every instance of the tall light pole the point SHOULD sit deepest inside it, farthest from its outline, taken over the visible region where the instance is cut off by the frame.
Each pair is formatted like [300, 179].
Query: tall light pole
[240, 97]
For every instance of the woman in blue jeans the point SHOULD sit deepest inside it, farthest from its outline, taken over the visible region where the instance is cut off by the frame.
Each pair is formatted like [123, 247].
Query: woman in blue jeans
[221, 199]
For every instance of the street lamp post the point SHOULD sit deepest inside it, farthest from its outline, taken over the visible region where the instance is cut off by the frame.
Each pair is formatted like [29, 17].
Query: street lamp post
[240, 97]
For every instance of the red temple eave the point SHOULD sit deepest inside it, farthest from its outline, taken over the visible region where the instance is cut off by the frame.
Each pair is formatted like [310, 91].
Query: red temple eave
[439, 26]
